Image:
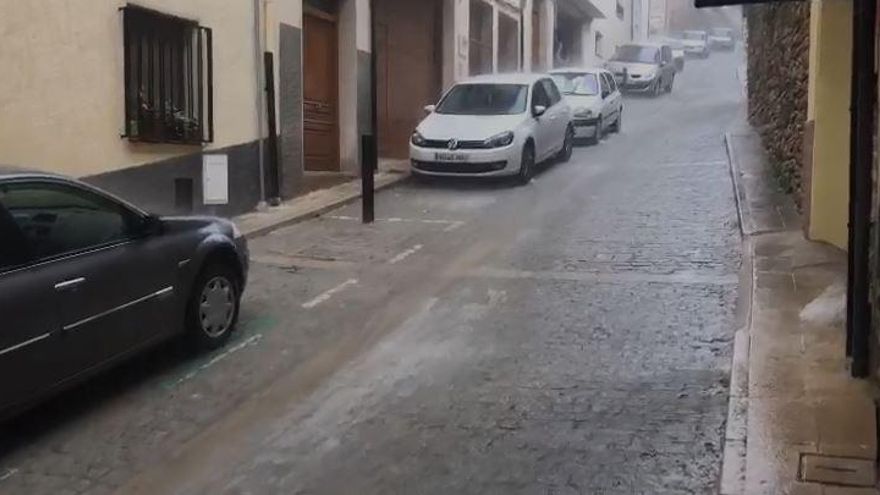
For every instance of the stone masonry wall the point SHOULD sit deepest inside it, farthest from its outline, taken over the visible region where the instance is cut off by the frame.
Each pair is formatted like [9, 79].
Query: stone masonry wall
[778, 69]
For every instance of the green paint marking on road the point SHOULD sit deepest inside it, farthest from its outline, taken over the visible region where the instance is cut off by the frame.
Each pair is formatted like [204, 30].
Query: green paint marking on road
[250, 333]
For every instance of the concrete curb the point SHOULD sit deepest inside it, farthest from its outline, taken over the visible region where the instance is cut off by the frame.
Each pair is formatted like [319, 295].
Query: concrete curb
[252, 226]
[734, 179]
[733, 463]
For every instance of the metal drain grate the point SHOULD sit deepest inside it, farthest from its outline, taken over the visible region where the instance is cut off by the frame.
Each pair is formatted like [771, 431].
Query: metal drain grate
[845, 471]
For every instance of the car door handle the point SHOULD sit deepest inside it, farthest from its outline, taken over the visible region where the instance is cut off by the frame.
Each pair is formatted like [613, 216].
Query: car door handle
[70, 284]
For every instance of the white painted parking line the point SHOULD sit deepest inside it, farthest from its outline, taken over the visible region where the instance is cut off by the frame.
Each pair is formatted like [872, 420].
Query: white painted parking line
[219, 357]
[428, 221]
[324, 297]
[8, 474]
[453, 226]
[406, 254]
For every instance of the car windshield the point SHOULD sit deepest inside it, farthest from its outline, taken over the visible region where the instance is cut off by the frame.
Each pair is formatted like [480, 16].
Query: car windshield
[484, 99]
[694, 35]
[577, 83]
[637, 53]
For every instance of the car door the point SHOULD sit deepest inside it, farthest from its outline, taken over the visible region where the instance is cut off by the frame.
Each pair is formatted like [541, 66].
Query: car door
[113, 284]
[613, 101]
[558, 119]
[31, 359]
[543, 124]
[605, 94]
[666, 63]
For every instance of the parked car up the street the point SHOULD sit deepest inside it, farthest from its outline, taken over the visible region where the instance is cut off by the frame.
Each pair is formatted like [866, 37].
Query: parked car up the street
[643, 67]
[499, 125]
[722, 38]
[595, 100]
[87, 280]
[696, 43]
[678, 52]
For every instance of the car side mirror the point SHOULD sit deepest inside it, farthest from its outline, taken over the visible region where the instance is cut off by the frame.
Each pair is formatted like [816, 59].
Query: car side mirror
[148, 226]
[539, 110]
[430, 108]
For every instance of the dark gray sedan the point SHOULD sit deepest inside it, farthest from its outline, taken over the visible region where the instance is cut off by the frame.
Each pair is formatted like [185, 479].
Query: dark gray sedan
[87, 280]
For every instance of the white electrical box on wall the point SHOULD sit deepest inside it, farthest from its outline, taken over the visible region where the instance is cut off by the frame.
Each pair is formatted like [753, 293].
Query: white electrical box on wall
[215, 179]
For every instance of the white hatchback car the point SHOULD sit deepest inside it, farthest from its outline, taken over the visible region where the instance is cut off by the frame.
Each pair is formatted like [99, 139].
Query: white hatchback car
[696, 43]
[595, 99]
[499, 125]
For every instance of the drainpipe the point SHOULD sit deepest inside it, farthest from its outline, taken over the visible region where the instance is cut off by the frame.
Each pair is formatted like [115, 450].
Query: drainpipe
[862, 155]
[522, 37]
[261, 85]
[632, 20]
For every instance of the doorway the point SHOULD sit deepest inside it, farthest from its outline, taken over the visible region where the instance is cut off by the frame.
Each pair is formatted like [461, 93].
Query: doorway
[320, 91]
[508, 43]
[409, 68]
[481, 43]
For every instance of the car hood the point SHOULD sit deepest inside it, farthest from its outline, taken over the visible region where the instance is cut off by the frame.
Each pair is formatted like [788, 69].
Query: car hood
[467, 127]
[580, 101]
[694, 43]
[632, 68]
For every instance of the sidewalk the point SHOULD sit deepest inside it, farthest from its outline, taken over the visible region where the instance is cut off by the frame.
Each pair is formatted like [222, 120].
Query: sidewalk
[258, 223]
[797, 423]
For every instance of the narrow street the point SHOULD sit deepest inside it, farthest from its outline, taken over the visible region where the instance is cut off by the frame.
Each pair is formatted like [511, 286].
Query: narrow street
[570, 336]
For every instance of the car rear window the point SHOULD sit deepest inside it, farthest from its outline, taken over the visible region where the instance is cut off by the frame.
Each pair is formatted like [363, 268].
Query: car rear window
[637, 53]
[577, 83]
[484, 99]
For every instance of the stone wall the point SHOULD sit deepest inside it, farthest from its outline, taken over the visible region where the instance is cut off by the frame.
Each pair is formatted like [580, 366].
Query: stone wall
[778, 69]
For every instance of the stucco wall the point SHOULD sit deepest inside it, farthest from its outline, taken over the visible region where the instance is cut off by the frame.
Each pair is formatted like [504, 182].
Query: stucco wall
[615, 31]
[61, 93]
[828, 108]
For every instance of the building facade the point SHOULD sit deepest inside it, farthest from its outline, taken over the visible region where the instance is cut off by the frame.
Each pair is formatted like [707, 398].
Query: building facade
[165, 101]
[130, 98]
[571, 33]
[216, 106]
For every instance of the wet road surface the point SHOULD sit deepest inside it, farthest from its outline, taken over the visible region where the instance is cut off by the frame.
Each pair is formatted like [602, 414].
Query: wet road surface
[570, 336]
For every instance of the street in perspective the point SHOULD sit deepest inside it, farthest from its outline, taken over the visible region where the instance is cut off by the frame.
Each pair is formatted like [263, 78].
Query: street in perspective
[439, 247]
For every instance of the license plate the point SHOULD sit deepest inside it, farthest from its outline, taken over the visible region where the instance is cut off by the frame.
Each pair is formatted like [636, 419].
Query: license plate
[450, 157]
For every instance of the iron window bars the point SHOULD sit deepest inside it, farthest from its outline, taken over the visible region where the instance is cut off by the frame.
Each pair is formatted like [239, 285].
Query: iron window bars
[168, 78]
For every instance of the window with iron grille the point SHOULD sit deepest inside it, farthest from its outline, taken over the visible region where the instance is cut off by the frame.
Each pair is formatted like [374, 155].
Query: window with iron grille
[168, 78]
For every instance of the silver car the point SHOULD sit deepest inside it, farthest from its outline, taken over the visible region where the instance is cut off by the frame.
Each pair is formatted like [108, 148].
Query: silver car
[595, 100]
[643, 68]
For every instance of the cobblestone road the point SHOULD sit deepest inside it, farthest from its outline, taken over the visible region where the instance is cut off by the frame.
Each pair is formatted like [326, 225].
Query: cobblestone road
[570, 336]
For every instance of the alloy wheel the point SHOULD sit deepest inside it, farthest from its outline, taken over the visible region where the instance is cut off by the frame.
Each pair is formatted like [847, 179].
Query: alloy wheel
[217, 306]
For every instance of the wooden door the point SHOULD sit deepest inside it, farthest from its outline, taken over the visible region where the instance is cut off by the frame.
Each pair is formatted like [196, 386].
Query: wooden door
[320, 92]
[408, 44]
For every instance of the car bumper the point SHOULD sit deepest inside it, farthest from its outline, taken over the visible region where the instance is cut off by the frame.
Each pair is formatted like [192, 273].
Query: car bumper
[636, 85]
[473, 163]
[694, 52]
[244, 259]
[585, 127]
[727, 45]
